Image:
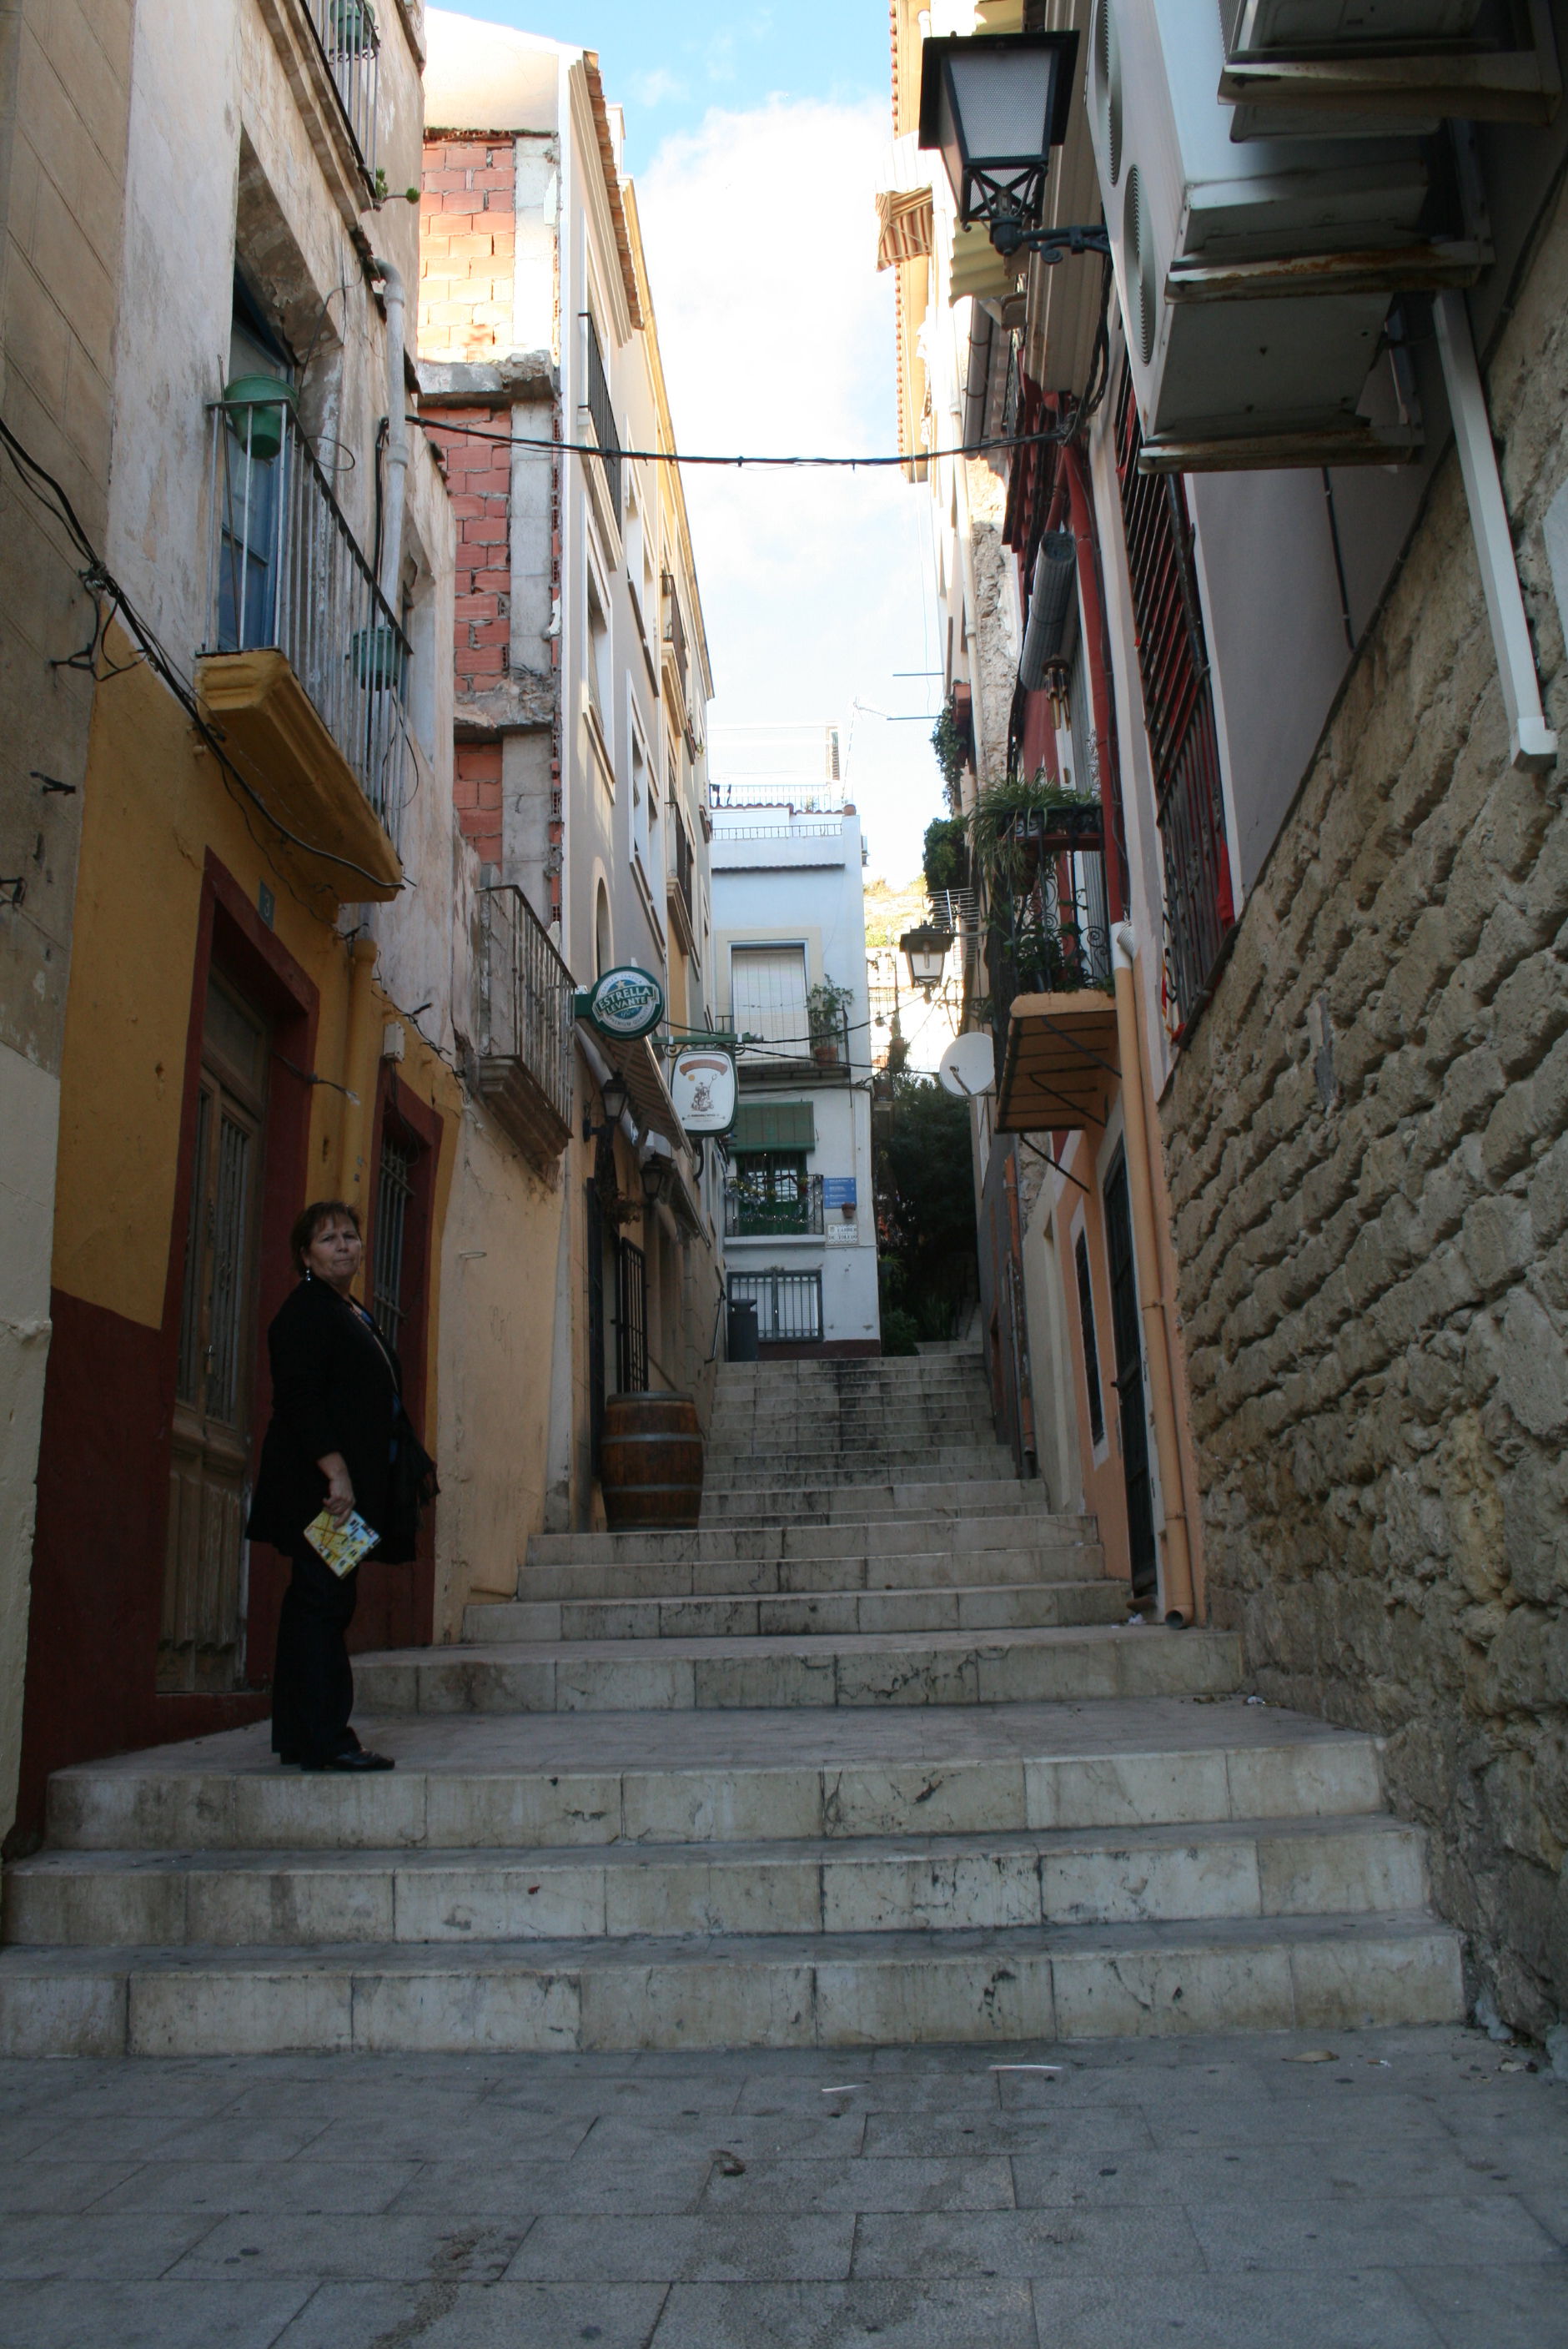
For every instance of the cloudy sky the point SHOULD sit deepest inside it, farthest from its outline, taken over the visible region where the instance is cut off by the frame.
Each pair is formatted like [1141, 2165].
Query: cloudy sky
[757, 146]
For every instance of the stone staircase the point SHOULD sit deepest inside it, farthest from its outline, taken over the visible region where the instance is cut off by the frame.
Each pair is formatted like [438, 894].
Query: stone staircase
[872, 1756]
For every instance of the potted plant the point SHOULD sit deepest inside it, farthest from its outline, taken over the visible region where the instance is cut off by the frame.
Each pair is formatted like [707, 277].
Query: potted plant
[256, 405]
[826, 1006]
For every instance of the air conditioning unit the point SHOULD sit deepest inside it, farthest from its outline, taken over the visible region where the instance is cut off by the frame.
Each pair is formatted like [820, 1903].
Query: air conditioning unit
[1254, 278]
[1349, 69]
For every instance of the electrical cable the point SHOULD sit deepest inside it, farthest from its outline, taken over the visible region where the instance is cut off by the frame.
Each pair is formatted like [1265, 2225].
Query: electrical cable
[433, 423]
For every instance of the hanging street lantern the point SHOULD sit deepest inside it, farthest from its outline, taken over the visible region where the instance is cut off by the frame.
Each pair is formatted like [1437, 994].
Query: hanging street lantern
[926, 950]
[996, 103]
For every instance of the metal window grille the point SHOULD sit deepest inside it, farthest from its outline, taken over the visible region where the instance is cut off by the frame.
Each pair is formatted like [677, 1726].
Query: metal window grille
[631, 1320]
[1179, 710]
[788, 1304]
[602, 415]
[351, 45]
[284, 570]
[394, 1199]
[231, 1229]
[187, 1375]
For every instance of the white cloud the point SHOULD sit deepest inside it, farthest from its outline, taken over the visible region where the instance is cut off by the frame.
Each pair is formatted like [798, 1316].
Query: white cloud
[777, 333]
[651, 89]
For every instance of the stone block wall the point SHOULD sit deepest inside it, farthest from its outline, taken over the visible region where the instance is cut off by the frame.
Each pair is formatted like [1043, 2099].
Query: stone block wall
[1374, 1253]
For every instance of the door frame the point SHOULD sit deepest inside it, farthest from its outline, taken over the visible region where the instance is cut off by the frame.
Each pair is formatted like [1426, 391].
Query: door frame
[232, 936]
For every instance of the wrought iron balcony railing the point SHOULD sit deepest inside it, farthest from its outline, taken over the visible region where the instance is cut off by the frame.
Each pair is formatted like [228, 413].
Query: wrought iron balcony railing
[756, 1208]
[524, 1042]
[819, 1050]
[286, 572]
[1051, 935]
[351, 43]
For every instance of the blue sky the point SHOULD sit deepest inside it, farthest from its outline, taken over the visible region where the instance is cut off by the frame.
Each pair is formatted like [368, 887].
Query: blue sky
[667, 66]
[757, 144]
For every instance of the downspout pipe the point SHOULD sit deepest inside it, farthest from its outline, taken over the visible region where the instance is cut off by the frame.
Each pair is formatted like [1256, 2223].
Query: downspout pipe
[391, 579]
[1157, 1346]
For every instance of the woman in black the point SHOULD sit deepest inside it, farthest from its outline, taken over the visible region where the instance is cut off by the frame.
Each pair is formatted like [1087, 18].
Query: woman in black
[335, 1405]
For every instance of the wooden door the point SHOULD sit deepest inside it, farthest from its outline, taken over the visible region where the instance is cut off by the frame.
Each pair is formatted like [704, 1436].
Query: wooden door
[1133, 1406]
[202, 1632]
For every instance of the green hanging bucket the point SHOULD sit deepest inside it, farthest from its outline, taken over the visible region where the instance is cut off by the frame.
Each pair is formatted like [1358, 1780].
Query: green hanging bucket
[256, 403]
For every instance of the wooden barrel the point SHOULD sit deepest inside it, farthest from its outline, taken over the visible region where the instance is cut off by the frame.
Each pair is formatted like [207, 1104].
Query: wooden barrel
[650, 1463]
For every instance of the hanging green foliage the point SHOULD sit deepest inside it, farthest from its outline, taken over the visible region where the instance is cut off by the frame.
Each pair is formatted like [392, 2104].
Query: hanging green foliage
[946, 859]
[950, 742]
[1000, 823]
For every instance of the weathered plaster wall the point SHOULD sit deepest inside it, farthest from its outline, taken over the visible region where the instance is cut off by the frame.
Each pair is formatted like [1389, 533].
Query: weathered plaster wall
[1376, 1291]
[65, 76]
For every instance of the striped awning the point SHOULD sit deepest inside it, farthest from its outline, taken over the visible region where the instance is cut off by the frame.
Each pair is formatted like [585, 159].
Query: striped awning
[906, 226]
[978, 269]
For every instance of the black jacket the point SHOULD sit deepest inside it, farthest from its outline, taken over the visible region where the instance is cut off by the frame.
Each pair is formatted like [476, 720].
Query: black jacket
[335, 1388]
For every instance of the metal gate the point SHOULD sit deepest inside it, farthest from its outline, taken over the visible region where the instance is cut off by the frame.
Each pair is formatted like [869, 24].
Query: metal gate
[788, 1304]
[1133, 1410]
[394, 1199]
[630, 1320]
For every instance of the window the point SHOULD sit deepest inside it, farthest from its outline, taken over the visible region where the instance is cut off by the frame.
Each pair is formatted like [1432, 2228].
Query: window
[394, 1202]
[603, 415]
[1090, 1348]
[772, 1193]
[768, 994]
[598, 664]
[644, 806]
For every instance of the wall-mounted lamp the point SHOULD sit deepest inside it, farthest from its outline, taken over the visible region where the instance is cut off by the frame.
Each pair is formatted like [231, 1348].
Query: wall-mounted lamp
[614, 1093]
[996, 103]
[926, 950]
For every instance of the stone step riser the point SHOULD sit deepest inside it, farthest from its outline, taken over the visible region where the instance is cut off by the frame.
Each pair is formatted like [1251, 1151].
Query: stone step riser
[1040, 1534]
[1010, 1607]
[814, 1475]
[782, 1505]
[1347, 1869]
[869, 1425]
[410, 1809]
[1269, 1978]
[937, 1571]
[1083, 1666]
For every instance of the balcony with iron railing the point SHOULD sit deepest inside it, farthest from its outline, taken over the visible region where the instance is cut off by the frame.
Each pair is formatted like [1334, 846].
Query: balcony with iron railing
[305, 666]
[680, 883]
[523, 1049]
[771, 1207]
[350, 43]
[818, 1054]
[1048, 968]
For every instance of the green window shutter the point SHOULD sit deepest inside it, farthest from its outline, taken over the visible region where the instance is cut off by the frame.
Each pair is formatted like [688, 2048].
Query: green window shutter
[774, 1125]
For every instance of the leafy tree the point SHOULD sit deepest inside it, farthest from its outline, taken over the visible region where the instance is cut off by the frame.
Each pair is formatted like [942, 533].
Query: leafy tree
[925, 1212]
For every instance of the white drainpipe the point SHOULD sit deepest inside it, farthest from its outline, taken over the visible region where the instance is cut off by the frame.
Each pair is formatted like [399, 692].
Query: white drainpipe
[391, 581]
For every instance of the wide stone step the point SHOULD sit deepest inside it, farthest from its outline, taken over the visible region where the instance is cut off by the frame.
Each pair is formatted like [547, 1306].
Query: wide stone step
[867, 1667]
[925, 1883]
[768, 1471]
[863, 1423]
[1001, 1607]
[584, 1780]
[906, 1535]
[803, 1504]
[1041, 1983]
[988, 1566]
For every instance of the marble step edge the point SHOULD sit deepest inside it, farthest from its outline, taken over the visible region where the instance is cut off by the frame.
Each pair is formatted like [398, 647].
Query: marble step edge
[781, 1505]
[730, 1615]
[1075, 1664]
[1123, 1789]
[876, 1463]
[1038, 1531]
[927, 1883]
[1043, 1984]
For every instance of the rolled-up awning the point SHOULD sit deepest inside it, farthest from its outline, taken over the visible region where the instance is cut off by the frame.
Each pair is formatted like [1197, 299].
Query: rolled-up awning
[638, 1063]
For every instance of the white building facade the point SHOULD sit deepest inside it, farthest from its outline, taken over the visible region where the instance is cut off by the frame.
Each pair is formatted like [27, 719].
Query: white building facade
[789, 981]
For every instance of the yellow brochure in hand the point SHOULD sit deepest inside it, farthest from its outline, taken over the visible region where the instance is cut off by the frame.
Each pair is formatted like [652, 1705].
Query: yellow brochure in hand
[341, 1546]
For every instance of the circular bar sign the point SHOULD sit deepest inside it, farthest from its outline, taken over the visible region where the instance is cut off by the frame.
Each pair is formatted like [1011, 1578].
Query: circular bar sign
[625, 1002]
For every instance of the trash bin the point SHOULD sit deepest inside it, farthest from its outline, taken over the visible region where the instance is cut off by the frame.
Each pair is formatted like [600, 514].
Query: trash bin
[743, 1329]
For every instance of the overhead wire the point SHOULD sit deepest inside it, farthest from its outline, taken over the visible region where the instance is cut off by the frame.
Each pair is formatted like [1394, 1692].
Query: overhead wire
[433, 422]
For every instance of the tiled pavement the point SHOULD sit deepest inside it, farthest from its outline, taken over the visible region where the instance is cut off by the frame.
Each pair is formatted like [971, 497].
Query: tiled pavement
[1206, 2193]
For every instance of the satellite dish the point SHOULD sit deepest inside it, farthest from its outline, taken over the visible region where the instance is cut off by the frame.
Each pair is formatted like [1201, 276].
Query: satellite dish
[968, 1066]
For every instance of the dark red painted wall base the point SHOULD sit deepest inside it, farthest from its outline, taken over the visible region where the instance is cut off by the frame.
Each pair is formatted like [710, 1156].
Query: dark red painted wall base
[97, 1568]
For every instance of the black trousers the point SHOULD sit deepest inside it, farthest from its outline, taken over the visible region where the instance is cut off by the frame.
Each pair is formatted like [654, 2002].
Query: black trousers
[312, 1683]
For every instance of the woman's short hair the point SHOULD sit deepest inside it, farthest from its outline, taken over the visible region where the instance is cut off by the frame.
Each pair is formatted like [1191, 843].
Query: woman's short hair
[310, 1220]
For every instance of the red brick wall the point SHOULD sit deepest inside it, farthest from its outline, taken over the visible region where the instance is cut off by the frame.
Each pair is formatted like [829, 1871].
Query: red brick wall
[477, 792]
[466, 230]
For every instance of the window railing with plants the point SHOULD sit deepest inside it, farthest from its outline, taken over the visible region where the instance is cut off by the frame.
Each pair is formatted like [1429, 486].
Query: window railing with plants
[772, 1206]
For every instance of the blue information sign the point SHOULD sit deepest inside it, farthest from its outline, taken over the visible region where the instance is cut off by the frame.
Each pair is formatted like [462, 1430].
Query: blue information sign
[839, 1191]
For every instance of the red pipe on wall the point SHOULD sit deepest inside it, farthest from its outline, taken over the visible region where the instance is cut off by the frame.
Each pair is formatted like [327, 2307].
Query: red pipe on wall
[1097, 643]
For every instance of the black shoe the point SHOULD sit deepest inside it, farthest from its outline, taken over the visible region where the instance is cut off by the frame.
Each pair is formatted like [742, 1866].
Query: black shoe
[354, 1757]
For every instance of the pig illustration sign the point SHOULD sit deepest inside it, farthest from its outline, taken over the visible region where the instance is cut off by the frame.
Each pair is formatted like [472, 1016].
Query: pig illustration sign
[702, 1087]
